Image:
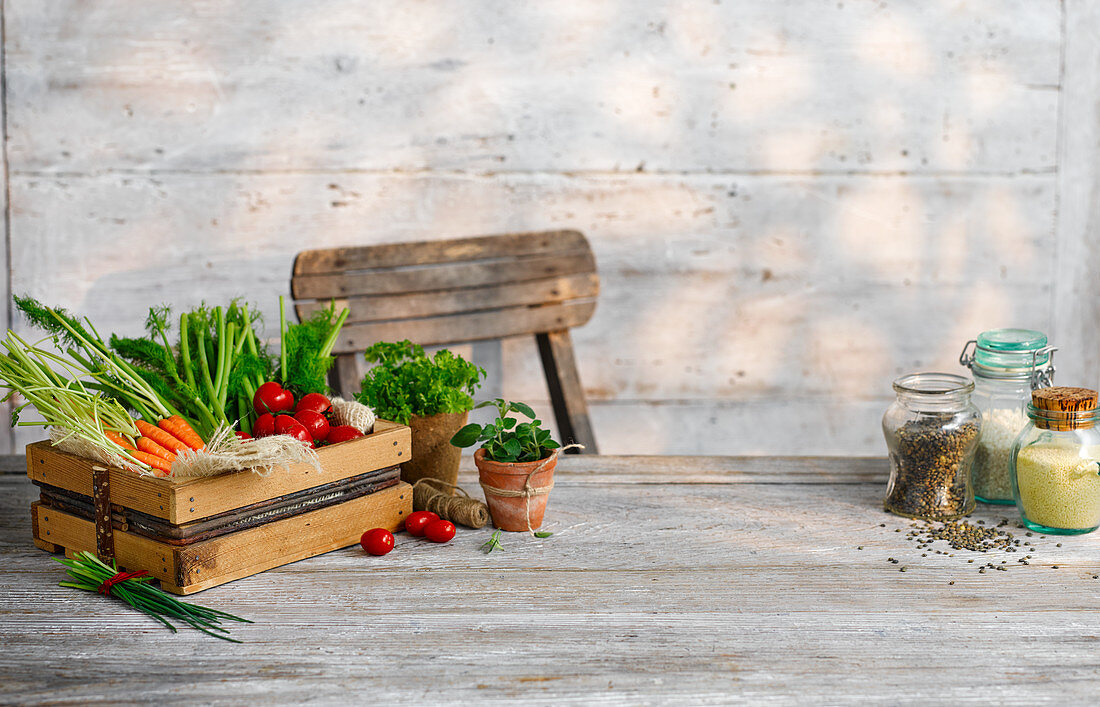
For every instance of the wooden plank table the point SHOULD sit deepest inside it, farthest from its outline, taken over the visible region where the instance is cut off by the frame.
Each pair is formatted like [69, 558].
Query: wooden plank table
[703, 579]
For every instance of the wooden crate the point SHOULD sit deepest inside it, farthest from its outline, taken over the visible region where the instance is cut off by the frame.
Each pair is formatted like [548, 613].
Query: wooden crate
[184, 566]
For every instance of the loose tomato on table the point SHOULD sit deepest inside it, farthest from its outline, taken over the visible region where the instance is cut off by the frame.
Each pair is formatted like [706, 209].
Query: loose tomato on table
[439, 531]
[315, 402]
[314, 422]
[416, 522]
[272, 397]
[377, 541]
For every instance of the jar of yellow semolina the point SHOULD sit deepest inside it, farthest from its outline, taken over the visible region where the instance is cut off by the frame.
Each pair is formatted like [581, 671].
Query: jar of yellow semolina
[1055, 462]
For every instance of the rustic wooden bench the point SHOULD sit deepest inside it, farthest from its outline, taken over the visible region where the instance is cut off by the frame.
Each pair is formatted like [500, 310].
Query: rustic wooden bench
[462, 290]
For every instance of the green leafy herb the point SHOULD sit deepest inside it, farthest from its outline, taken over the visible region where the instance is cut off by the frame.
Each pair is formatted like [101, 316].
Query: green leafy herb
[543, 534]
[405, 381]
[493, 543]
[506, 439]
[89, 574]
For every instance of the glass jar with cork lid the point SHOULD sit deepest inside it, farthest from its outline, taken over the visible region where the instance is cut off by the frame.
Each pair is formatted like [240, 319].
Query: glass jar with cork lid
[931, 431]
[1055, 462]
[1007, 364]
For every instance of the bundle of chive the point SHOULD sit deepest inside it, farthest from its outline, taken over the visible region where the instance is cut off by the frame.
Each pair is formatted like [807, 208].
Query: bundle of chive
[91, 575]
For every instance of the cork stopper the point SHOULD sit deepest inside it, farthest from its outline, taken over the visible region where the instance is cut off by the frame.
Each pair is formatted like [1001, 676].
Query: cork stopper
[1061, 408]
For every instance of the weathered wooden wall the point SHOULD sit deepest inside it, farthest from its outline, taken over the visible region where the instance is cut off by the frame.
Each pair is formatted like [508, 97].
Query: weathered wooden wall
[791, 202]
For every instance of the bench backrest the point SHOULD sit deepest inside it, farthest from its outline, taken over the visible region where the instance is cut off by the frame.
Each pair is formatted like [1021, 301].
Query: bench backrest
[450, 291]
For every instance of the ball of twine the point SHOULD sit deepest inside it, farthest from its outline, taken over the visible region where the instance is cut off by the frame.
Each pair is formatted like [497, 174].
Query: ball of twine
[354, 413]
[435, 495]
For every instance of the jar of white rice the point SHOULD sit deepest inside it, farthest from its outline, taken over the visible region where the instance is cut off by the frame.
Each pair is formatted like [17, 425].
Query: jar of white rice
[1007, 364]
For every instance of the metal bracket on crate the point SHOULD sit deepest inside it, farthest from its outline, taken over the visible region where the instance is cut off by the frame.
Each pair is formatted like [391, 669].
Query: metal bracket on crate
[101, 499]
[1042, 378]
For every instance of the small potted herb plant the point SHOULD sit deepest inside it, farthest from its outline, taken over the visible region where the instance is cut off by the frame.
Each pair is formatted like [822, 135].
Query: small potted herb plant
[432, 395]
[516, 464]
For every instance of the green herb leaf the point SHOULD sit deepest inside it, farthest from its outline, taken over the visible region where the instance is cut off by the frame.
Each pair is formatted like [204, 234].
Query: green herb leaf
[543, 534]
[524, 409]
[493, 543]
[467, 436]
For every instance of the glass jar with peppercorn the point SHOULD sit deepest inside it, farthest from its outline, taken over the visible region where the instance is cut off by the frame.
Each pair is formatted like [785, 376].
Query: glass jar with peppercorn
[1007, 364]
[1055, 462]
[931, 431]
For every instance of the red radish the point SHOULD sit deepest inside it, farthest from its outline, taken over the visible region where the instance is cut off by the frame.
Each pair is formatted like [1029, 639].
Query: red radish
[243, 436]
[272, 397]
[314, 422]
[377, 541]
[342, 433]
[287, 425]
[315, 402]
[265, 425]
[418, 520]
[439, 531]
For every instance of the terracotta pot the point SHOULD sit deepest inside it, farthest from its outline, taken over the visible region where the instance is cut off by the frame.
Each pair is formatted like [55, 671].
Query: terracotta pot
[511, 512]
[433, 456]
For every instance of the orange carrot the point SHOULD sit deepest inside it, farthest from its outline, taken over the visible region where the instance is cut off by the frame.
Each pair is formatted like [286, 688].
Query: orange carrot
[152, 460]
[160, 436]
[151, 447]
[178, 428]
[119, 439]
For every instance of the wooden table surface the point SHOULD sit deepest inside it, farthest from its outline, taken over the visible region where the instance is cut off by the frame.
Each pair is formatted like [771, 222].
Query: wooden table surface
[668, 579]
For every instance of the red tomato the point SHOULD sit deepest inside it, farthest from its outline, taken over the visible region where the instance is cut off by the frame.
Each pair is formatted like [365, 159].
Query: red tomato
[314, 422]
[439, 531]
[377, 541]
[265, 425]
[287, 425]
[342, 433]
[243, 435]
[417, 521]
[272, 397]
[315, 402]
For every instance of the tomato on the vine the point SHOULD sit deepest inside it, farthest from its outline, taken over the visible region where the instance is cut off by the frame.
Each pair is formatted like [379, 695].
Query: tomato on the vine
[287, 425]
[314, 422]
[265, 425]
[272, 397]
[315, 402]
[416, 522]
[342, 433]
[377, 541]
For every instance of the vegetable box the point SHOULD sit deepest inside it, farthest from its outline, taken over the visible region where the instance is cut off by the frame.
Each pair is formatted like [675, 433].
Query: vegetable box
[193, 534]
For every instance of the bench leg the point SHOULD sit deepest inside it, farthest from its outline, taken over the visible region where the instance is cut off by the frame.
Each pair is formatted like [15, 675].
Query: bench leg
[566, 393]
[344, 376]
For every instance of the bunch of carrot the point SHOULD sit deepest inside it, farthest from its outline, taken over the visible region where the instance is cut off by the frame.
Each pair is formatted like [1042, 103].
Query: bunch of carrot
[159, 444]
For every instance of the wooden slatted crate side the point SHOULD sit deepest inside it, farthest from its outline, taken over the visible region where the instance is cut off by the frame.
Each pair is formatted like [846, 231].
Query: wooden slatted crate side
[148, 494]
[192, 568]
[392, 255]
[193, 499]
[442, 277]
[241, 554]
[415, 305]
[132, 551]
